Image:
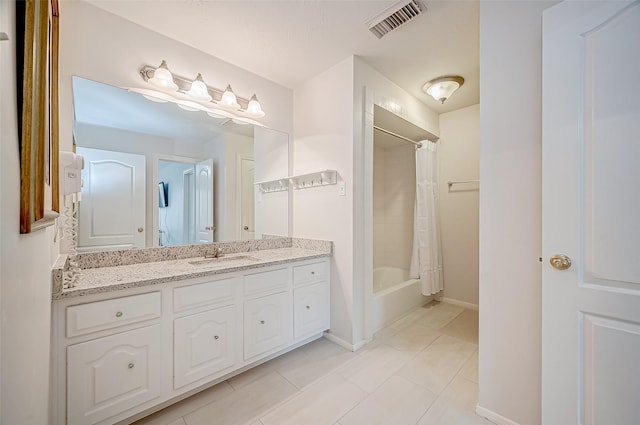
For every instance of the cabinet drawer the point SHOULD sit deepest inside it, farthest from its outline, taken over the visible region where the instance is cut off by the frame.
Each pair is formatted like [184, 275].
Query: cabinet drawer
[204, 344]
[269, 281]
[109, 375]
[101, 315]
[309, 272]
[202, 294]
[310, 309]
[267, 323]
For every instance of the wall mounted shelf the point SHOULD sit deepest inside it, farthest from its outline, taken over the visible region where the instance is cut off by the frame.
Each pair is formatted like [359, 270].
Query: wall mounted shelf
[302, 181]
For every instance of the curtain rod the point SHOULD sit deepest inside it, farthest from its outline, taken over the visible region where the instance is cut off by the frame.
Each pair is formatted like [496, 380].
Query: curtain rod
[391, 133]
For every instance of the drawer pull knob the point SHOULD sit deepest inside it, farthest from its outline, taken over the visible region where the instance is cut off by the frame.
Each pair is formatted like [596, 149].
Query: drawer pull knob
[308, 307]
[262, 322]
[216, 337]
[119, 314]
[130, 365]
[313, 272]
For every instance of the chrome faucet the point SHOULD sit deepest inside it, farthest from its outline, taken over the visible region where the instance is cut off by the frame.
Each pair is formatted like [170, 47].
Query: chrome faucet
[216, 253]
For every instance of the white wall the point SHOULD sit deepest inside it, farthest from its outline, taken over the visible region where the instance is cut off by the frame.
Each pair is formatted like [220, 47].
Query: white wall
[459, 159]
[25, 279]
[510, 209]
[323, 139]
[394, 193]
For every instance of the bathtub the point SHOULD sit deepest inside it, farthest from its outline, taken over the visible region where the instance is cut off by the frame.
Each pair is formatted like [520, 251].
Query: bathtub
[394, 294]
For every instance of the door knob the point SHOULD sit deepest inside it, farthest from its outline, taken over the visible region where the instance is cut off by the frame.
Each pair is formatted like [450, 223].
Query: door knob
[246, 227]
[560, 261]
[140, 230]
[210, 228]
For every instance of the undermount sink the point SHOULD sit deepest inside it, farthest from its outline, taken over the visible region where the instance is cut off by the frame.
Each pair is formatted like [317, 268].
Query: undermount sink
[227, 261]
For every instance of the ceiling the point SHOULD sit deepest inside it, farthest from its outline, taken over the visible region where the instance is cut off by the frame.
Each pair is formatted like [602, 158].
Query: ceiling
[290, 41]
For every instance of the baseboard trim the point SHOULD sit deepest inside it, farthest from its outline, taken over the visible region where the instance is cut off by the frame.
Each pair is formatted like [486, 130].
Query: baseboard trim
[460, 303]
[494, 417]
[341, 342]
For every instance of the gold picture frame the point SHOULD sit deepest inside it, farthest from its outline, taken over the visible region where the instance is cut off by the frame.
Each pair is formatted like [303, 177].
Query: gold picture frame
[39, 191]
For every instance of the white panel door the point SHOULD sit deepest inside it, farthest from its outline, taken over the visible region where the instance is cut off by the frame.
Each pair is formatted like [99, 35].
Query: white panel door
[204, 201]
[247, 199]
[591, 214]
[112, 209]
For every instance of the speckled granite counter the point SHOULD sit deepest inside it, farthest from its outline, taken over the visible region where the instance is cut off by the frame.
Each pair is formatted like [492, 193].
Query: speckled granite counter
[112, 271]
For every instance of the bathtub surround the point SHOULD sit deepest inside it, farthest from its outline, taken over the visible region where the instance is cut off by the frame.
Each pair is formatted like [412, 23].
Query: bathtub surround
[426, 260]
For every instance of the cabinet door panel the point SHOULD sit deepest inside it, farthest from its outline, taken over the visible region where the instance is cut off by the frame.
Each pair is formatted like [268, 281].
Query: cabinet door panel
[267, 323]
[109, 375]
[203, 344]
[311, 309]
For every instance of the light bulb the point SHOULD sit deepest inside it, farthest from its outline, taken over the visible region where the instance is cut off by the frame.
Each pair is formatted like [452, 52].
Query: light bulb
[254, 107]
[199, 90]
[229, 99]
[163, 78]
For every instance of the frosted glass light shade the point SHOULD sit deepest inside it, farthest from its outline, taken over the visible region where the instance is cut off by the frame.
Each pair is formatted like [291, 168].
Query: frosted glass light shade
[199, 90]
[163, 78]
[254, 109]
[229, 99]
[442, 88]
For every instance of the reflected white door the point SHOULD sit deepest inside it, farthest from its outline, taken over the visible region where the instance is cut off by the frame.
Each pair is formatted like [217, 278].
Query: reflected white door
[204, 201]
[591, 213]
[247, 200]
[112, 210]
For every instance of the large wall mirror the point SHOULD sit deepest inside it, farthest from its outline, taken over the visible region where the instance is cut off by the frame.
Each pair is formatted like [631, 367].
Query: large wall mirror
[158, 175]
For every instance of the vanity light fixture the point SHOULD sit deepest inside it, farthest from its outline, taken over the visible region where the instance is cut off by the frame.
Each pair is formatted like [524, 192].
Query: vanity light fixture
[229, 99]
[254, 108]
[196, 95]
[163, 78]
[199, 90]
[442, 88]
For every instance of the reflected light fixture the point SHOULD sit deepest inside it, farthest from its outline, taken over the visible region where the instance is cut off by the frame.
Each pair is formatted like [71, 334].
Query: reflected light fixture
[163, 78]
[254, 108]
[442, 88]
[228, 99]
[199, 90]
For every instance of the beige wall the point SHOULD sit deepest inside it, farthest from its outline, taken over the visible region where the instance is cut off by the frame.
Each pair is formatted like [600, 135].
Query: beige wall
[25, 276]
[459, 159]
[510, 210]
[394, 187]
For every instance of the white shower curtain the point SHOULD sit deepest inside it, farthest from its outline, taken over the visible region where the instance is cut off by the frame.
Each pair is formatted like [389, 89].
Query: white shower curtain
[426, 260]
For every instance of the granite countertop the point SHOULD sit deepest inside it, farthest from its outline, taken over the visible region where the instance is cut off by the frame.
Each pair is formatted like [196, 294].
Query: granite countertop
[108, 277]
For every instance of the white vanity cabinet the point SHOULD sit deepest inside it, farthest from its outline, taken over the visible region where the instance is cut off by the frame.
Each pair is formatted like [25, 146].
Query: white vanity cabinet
[120, 353]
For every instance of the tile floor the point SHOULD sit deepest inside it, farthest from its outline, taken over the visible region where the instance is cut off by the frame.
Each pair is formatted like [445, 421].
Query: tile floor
[420, 370]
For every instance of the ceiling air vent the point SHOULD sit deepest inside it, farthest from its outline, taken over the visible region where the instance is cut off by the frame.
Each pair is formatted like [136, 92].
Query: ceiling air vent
[394, 16]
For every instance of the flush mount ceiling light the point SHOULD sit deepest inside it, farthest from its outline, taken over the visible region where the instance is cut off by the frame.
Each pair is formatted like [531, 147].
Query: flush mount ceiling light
[163, 78]
[442, 88]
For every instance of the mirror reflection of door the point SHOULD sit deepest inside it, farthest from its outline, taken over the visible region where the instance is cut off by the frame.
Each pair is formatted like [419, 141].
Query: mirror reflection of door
[112, 208]
[185, 209]
[247, 199]
[204, 201]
